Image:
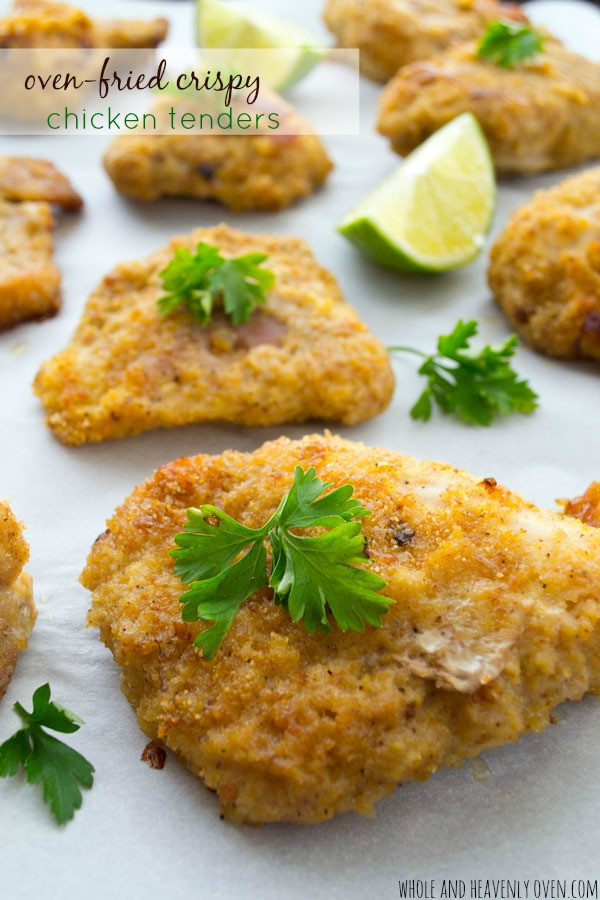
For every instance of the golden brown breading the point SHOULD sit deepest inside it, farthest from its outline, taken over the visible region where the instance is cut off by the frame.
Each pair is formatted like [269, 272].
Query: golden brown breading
[17, 610]
[392, 33]
[545, 114]
[267, 171]
[29, 281]
[126, 33]
[545, 269]
[45, 23]
[27, 178]
[303, 355]
[496, 620]
[587, 506]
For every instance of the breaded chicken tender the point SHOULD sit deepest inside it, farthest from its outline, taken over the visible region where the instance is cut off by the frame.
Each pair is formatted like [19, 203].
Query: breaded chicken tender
[27, 178]
[545, 269]
[44, 23]
[264, 171]
[543, 114]
[304, 354]
[496, 620]
[29, 280]
[392, 33]
[587, 506]
[17, 610]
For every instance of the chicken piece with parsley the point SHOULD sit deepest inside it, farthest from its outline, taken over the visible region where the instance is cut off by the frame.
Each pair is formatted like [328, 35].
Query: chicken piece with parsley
[537, 102]
[218, 326]
[446, 628]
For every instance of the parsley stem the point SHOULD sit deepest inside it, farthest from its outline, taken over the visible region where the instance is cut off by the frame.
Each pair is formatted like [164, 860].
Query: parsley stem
[407, 350]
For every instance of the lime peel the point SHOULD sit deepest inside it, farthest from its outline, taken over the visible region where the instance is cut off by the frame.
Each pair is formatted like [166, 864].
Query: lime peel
[294, 51]
[433, 213]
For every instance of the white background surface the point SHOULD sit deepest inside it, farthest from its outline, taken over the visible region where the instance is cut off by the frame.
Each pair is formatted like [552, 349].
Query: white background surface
[143, 833]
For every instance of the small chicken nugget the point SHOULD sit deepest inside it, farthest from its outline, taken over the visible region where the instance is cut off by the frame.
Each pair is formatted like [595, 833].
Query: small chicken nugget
[545, 269]
[305, 354]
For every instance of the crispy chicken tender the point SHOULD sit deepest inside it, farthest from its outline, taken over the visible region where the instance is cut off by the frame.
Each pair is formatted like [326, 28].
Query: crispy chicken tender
[304, 354]
[263, 171]
[27, 178]
[545, 269]
[44, 23]
[587, 506]
[17, 610]
[496, 620]
[392, 33]
[544, 114]
[29, 280]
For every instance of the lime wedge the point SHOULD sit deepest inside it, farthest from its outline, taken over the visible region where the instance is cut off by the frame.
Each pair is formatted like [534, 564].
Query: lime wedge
[294, 51]
[433, 213]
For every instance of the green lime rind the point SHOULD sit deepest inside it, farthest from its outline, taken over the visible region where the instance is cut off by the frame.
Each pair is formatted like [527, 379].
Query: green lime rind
[378, 225]
[374, 244]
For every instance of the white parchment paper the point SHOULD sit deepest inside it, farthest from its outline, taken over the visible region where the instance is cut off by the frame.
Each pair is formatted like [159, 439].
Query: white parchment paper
[144, 833]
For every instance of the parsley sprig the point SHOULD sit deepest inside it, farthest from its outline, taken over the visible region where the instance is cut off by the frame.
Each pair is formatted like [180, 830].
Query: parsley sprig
[44, 758]
[206, 279]
[308, 574]
[475, 385]
[507, 43]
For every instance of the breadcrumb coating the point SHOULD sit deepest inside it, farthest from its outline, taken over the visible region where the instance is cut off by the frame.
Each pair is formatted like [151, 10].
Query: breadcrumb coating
[266, 171]
[587, 506]
[28, 178]
[305, 354]
[29, 280]
[17, 610]
[496, 620]
[47, 24]
[545, 269]
[392, 33]
[543, 114]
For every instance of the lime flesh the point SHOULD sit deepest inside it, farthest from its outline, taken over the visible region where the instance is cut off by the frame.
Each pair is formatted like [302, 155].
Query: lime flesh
[294, 51]
[434, 212]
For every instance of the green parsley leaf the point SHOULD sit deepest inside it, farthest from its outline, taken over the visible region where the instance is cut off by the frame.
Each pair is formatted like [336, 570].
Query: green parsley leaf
[60, 769]
[224, 563]
[205, 280]
[506, 43]
[477, 386]
[218, 599]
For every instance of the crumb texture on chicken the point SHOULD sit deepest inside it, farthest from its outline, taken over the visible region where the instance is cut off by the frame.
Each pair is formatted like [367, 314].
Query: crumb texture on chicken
[266, 171]
[305, 354]
[545, 269]
[543, 114]
[28, 178]
[586, 508]
[392, 33]
[496, 620]
[45, 23]
[29, 280]
[17, 610]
